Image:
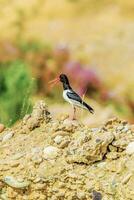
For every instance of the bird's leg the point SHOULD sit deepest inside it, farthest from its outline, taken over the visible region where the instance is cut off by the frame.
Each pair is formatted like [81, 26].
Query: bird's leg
[74, 113]
[72, 117]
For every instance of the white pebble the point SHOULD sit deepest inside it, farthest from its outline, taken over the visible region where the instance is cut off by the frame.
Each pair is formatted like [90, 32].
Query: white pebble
[50, 152]
[125, 129]
[36, 150]
[81, 195]
[130, 148]
[58, 139]
[119, 128]
[7, 136]
[95, 130]
[9, 180]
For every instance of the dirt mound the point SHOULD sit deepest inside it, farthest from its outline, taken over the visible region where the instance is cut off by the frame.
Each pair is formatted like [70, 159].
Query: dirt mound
[44, 158]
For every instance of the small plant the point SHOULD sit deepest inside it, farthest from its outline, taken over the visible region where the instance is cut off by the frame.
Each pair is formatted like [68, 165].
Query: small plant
[16, 88]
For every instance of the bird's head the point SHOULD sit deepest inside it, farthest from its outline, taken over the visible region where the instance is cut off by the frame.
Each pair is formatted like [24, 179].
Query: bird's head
[62, 78]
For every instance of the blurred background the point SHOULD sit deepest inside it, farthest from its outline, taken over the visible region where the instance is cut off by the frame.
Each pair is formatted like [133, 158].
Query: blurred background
[91, 41]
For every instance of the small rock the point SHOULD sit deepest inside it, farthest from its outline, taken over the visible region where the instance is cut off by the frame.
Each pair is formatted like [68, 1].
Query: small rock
[2, 127]
[64, 144]
[130, 148]
[36, 159]
[112, 148]
[96, 195]
[37, 180]
[50, 152]
[40, 186]
[7, 136]
[14, 164]
[98, 140]
[119, 128]
[94, 130]
[126, 178]
[58, 139]
[125, 129]
[101, 164]
[124, 122]
[9, 180]
[112, 155]
[36, 150]
[121, 143]
[81, 195]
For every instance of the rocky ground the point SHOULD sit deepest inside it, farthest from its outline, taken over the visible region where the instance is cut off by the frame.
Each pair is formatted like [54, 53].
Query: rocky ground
[55, 159]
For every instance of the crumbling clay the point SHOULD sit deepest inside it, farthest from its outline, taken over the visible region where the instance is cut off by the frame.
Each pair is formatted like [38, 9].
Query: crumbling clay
[57, 159]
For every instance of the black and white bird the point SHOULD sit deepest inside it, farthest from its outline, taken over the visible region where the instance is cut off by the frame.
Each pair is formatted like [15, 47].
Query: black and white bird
[71, 96]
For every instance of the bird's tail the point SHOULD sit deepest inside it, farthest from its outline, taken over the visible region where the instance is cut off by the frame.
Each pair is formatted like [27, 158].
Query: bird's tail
[91, 110]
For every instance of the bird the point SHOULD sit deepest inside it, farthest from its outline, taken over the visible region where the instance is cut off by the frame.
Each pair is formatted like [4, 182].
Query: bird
[71, 96]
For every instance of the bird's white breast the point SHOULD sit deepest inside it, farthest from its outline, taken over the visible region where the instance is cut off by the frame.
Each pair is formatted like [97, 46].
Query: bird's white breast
[66, 97]
[71, 101]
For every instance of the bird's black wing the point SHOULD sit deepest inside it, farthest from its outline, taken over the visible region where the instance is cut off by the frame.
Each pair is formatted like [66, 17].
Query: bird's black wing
[74, 96]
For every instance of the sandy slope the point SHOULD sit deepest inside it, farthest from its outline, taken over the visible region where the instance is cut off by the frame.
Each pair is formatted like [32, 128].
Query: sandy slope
[44, 158]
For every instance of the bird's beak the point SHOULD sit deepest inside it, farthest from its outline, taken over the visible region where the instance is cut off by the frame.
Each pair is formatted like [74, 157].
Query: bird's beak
[54, 82]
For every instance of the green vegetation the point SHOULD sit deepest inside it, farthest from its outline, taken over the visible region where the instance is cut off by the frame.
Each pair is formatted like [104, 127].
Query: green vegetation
[16, 87]
[32, 46]
[96, 34]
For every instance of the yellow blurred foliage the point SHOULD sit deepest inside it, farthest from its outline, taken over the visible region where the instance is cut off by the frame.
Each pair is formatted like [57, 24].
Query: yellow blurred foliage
[98, 32]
